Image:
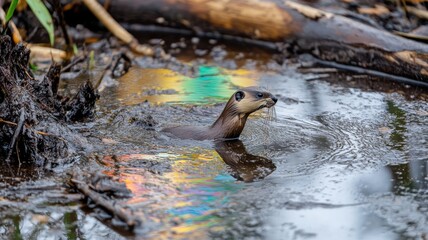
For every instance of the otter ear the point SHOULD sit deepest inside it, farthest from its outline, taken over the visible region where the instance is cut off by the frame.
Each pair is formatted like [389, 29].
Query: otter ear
[239, 95]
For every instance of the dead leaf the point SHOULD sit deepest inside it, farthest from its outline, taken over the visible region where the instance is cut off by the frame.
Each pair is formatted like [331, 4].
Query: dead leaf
[384, 130]
[40, 219]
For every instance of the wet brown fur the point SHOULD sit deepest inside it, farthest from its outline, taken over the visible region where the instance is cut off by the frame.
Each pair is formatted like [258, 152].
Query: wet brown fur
[232, 120]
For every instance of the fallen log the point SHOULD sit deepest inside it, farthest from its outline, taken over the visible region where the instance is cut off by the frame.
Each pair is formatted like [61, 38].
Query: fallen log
[301, 28]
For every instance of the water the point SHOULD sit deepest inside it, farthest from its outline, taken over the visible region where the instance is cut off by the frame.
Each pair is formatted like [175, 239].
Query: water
[347, 164]
[335, 163]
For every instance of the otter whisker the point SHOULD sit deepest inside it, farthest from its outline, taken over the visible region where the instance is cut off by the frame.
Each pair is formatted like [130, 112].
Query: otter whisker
[272, 113]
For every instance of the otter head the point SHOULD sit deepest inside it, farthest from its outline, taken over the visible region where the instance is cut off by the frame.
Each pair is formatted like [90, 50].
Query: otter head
[251, 99]
[243, 102]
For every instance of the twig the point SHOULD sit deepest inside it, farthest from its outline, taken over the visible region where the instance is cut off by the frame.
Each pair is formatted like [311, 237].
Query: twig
[28, 127]
[412, 36]
[7, 122]
[405, 8]
[418, 12]
[3, 21]
[74, 62]
[47, 53]
[17, 156]
[111, 206]
[61, 20]
[127, 65]
[33, 32]
[115, 28]
[18, 132]
[318, 70]
[361, 70]
[100, 79]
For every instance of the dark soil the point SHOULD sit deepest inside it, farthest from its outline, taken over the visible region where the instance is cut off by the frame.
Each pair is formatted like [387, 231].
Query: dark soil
[33, 116]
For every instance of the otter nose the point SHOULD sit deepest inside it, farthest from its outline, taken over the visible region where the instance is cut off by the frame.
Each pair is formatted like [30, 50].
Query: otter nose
[275, 99]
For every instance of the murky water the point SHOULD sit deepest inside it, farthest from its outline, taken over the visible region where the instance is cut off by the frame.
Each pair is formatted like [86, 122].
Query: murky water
[335, 162]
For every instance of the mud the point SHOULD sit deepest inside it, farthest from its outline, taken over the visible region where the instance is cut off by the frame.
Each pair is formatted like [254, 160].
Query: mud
[339, 161]
[32, 113]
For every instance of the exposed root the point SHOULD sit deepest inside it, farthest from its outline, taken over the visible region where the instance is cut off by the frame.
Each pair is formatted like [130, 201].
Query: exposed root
[16, 134]
[32, 115]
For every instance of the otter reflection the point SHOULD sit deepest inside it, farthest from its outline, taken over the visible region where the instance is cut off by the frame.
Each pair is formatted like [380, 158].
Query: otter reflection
[243, 166]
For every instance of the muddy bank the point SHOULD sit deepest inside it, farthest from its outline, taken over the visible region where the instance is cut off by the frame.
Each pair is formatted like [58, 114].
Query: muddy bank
[33, 116]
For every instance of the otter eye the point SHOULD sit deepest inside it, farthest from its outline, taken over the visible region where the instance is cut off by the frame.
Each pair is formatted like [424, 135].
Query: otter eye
[259, 94]
[239, 95]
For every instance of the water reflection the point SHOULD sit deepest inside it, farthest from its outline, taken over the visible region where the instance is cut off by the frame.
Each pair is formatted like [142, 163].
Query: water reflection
[13, 174]
[412, 174]
[409, 177]
[210, 84]
[197, 182]
[398, 125]
[243, 165]
[70, 225]
[185, 195]
[328, 167]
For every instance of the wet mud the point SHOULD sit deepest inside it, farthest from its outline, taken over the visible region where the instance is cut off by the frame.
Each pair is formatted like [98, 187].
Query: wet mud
[32, 114]
[338, 161]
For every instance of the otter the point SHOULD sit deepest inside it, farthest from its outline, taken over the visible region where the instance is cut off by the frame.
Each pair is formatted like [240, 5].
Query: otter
[231, 121]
